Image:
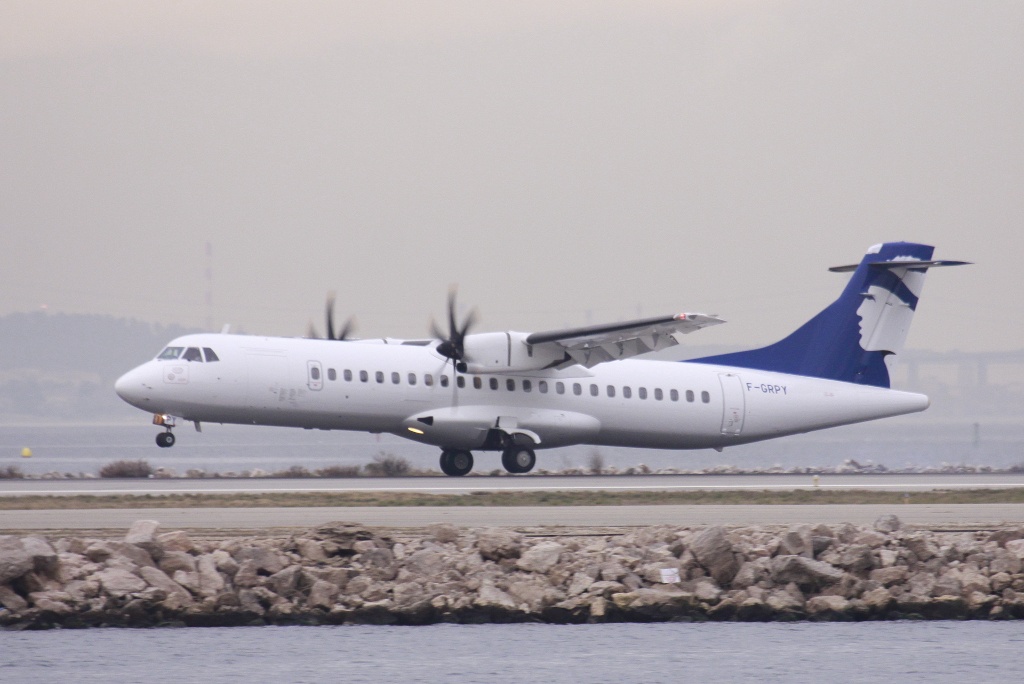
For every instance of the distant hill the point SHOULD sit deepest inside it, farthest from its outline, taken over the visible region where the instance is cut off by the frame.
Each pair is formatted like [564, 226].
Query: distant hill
[63, 366]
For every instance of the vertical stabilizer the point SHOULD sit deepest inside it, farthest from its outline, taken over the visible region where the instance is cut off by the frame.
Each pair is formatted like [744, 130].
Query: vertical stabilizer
[851, 339]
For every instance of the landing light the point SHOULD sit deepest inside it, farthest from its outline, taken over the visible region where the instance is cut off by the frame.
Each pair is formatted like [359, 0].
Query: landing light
[415, 431]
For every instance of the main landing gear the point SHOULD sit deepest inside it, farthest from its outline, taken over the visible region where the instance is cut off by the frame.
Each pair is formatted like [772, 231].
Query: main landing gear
[517, 459]
[456, 462]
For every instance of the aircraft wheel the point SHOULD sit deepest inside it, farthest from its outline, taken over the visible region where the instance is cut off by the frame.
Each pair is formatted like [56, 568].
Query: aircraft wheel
[518, 459]
[456, 462]
[165, 439]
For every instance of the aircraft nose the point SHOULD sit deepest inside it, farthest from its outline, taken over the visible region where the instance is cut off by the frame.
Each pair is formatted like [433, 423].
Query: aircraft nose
[133, 388]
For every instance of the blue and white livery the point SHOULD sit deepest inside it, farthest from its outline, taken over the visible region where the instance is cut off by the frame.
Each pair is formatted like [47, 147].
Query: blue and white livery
[515, 393]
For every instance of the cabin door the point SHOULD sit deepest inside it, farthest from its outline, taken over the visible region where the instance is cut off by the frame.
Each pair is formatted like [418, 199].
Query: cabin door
[733, 404]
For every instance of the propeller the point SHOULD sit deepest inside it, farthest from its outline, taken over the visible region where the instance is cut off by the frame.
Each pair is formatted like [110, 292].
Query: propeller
[346, 329]
[453, 343]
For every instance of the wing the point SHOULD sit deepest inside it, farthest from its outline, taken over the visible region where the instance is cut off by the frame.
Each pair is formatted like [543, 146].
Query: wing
[596, 344]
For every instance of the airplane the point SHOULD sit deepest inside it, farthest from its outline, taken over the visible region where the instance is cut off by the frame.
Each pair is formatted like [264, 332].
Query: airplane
[515, 393]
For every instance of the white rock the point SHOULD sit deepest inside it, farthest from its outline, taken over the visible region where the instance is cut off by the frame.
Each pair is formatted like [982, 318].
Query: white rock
[540, 558]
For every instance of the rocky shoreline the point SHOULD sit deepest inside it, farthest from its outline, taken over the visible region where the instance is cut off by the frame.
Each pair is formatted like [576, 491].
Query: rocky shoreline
[341, 573]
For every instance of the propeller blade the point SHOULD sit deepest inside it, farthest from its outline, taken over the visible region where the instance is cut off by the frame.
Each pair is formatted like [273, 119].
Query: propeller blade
[330, 316]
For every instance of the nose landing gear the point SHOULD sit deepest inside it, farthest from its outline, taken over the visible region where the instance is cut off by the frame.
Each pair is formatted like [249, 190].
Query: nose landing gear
[164, 439]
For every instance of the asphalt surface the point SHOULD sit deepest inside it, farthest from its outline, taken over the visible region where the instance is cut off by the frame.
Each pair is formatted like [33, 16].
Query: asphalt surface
[465, 485]
[958, 516]
[964, 516]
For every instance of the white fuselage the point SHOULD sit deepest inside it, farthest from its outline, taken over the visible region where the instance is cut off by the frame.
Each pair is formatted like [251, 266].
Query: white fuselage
[320, 384]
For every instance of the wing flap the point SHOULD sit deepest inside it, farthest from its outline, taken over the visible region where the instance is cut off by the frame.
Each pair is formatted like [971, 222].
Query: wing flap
[591, 345]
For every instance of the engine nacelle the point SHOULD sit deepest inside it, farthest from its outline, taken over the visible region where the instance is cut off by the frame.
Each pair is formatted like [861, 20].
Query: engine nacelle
[507, 352]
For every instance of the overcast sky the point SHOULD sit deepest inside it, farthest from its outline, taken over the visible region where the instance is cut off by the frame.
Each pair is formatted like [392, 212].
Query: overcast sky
[564, 163]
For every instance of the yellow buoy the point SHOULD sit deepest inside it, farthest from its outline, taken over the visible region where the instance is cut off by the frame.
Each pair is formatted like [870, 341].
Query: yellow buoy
[26, 453]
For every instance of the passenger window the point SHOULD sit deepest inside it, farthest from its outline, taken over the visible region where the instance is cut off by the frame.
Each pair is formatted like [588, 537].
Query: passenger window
[527, 385]
[689, 396]
[642, 392]
[460, 381]
[170, 353]
[314, 373]
[560, 388]
[542, 385]
[211, 356]
[493, 383]
[478, 382]
[412, 378]
[379, 375]
[444, 380]
[673, 395]
[611, 390]
[364, 376]
[428, 380]
[658, 394]
[626, 393]
[347, 375]
[396, 378]
[192, 354]
[332, 374]
[577, 389]
[594, 391]
[705, 397]
[510, 385]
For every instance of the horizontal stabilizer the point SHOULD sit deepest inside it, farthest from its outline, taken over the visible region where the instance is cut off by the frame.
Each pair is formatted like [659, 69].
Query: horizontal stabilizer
[898, 264]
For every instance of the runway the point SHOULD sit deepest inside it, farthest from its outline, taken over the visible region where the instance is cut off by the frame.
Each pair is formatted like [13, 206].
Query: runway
[466, 485]
[264, 520]
[595, 517]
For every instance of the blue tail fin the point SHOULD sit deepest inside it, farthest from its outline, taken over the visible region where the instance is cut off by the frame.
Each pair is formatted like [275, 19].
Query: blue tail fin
[852, 337]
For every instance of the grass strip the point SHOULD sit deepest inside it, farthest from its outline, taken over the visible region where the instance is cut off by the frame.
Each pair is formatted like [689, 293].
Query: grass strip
[545, 498]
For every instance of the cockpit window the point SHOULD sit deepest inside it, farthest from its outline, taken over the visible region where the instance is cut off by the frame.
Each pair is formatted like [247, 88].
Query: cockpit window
[170, 353]
[192, 354]
[210, 355]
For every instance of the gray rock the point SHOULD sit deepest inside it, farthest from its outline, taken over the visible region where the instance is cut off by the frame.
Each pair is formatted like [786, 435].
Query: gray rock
[10, 600]
[176, 541]
[44, 556]
[888, 523]
[826, 605]
[173, 561]
[311, 550]
[856, 558]
[540, 558]
[285, 583]
[117, 582]
[265, 561]
[15, 561]
[797, 541]
[889, 576]
[804, 572]
[159, 579]
[921, 546]
[496, 543]
[444, 533]
[143, 533]
[103, 551]
[490, 596]
[323, 594]
[752, 572]
[714, 552]
[429, 562]
[210, 581]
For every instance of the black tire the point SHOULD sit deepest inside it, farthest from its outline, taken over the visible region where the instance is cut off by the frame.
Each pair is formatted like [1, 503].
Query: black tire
[518, 459]
[165, 440]
[456, 462]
